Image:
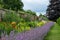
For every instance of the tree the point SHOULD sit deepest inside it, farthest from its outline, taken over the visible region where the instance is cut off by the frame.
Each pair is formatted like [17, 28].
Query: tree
[13, 4]
[31, 12]
[40, 15]
[43, 17]
[1, 3]
[53, 10]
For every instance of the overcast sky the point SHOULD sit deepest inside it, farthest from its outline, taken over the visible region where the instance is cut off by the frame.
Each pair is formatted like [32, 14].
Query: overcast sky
[39, 6]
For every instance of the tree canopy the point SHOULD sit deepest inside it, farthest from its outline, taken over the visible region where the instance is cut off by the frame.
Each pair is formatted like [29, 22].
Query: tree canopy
[12, 4]
[53, 10]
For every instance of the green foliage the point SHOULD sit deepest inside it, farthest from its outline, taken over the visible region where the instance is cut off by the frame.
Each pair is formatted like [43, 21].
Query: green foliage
[8, 28]
[27, 19]
[21, 23]
[58, 20]
[22, 26]
[19, 27]
[40, 24]
[12, 4]
[30, 12]
[32, 24]
[1, 5]
[2, 27]
[10, 17]
[43, 17]
[5, 27]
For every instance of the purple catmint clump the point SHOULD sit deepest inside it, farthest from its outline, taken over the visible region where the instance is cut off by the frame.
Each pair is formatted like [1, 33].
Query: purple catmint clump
[11, 35]
[5, 36]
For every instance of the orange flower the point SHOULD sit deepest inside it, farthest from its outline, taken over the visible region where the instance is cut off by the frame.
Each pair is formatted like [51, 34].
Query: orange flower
[13, 24]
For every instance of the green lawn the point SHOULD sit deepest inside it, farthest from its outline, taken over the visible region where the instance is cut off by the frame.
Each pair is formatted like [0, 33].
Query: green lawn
[54, 33]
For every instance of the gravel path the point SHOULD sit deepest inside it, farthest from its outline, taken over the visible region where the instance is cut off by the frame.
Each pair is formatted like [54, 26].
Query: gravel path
[35, 34]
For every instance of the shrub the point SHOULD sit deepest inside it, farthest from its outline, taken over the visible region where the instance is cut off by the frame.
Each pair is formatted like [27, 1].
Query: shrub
[40, 24]
[10, 17]
[32, 24]
[5, 27]
[22, 26]
[2, 28]
[8, 28]
[58, 21]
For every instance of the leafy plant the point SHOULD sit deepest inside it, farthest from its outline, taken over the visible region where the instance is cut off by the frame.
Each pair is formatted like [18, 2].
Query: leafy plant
[8, 28]
[22, 26]
[10, 17]
[40, 24]
[5, 28]
[30, 12]
[2, 28]
[58, 20]
[32, 24]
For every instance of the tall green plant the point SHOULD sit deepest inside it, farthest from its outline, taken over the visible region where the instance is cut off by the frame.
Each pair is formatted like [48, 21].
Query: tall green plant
[10, 17]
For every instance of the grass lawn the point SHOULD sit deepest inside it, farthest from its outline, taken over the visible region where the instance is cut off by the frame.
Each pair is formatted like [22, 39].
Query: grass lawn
[54, 33]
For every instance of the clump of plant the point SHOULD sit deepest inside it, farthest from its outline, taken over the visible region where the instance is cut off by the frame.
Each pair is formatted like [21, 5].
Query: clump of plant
[10, 17]
[5, 28]
[32, 24]
[2, 28]
[58, 20]
[22, 26]
[40, 24]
